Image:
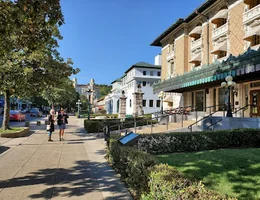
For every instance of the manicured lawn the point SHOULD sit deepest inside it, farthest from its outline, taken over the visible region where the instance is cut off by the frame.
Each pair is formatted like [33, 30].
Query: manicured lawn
[10, 131]
[235, 172]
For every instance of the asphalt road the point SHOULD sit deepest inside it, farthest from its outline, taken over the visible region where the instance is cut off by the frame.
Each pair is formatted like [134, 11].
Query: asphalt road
[22, 123]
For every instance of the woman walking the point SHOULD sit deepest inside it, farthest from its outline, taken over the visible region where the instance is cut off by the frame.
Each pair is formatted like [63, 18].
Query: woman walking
[62, 121]
[51, 123]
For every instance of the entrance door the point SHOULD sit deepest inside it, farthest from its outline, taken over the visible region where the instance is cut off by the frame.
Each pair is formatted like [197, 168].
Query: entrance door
[199, 100]
[255, 101]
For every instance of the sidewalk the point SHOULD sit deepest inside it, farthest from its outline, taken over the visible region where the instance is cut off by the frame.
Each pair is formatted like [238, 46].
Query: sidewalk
[32, 168]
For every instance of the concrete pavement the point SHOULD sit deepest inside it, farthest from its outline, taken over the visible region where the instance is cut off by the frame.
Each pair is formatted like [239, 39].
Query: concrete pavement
[33, 168]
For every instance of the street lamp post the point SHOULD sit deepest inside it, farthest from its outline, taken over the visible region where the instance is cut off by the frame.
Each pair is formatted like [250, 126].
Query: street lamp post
[78, 103]
[89, 93]
[229, 83]
[161, 95]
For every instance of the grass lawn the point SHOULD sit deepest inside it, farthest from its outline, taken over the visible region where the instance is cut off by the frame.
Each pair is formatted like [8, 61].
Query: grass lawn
[235, 172]
[12, 130]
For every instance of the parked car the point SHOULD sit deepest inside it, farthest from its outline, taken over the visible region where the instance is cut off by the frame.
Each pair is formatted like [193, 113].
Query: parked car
[17, 115]
[25, 110]
[34, 112]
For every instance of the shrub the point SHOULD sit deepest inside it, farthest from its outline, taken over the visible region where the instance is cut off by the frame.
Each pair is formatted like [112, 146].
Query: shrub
[165, 182]
[198, 141]
[96, 125]
[93, 126]
[133, 165]
[148, 180]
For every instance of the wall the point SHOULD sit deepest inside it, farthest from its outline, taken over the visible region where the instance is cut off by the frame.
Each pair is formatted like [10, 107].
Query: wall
[181, 61]
[231, 123]
[236, 29]
[205, 43]
[164, 63]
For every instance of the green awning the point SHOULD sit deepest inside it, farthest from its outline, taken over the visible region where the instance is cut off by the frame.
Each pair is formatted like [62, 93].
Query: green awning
[234, 66]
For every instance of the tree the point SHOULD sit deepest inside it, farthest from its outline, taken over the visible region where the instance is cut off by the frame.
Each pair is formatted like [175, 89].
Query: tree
[104, 89]
[29, 60]
[64, 95]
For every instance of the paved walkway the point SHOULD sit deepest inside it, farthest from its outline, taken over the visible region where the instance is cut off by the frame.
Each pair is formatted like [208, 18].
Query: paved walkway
[32, 168]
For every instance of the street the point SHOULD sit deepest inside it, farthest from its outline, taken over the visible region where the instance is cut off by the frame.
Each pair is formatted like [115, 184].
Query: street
[22, 123]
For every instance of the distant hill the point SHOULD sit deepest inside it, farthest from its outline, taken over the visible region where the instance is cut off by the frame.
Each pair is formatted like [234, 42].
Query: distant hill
[103, 89]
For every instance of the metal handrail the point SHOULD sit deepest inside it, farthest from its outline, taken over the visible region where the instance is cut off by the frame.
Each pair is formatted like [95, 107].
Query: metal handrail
[242, 108]
[213, 124]
[179, 110]
[122, 125]
[211, 113]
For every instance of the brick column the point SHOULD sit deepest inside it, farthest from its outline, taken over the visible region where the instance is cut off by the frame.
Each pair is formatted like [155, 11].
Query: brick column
[122, 106]
[138, 104]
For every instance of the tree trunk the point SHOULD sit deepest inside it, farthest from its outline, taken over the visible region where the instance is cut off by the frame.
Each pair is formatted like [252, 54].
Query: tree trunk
[5, 124]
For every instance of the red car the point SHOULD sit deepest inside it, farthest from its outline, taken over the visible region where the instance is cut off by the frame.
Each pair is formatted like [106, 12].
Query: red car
[16, 115]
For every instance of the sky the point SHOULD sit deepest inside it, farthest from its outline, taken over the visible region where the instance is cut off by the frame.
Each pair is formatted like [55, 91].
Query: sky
[106, 37]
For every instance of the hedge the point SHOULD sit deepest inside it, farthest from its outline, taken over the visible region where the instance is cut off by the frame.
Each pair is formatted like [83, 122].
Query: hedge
[148, 180]
[133, 166]
[107, 115]
[165, 182]
[96, 125]
[199, 141]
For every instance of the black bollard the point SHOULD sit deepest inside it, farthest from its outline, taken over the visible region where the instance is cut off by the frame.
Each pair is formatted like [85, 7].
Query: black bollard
[107, 134]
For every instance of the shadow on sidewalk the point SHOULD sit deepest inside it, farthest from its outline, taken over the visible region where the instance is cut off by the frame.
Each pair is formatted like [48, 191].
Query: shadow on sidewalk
[3, 149]
[71, 182]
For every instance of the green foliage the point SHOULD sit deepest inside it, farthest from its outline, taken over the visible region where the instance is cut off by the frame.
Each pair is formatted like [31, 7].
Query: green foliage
[29, 60]
[63, 95]
[13, 129]
[107, 115]
[93, 126]
[97, 125]
[104, 89]
[114, 122]
[38, 101]
[165, 182]
[227, 171]
[133, 165]
[198, 141]
[148, 180]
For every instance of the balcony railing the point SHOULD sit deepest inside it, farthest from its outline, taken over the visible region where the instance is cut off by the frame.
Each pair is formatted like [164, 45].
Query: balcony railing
[195, 44]
[170, 56]
[251, 14]
[223, 30]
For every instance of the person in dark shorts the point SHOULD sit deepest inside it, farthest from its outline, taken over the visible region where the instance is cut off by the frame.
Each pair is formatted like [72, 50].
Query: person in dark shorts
[62, 120]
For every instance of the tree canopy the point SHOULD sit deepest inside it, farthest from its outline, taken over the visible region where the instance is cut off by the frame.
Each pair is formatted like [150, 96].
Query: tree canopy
[29, 60]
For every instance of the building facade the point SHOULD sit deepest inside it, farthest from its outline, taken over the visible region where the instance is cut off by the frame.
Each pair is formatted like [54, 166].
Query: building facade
[112, 99]
[220, 38]
[89, 90]
[142, 74]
